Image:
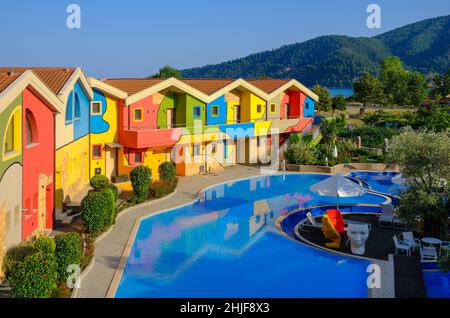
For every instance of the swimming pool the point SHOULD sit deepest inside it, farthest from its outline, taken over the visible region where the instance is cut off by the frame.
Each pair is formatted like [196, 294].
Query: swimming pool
[437, 284]
[378, 181]
[226, 245]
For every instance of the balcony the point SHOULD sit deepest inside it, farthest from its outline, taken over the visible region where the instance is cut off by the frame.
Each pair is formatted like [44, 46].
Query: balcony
[291, 124]
[148, 137]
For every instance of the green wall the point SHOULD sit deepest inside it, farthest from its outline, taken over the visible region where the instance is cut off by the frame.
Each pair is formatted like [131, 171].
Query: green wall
[191, 102]
[167, 102]
[4, 118]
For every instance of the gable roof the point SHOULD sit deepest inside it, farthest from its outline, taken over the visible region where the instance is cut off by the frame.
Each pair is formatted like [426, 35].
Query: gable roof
[53, 77]
[111, 90]
[21, 80]
[59, 80]
[268, 85]
[132, 86]
[207, 85]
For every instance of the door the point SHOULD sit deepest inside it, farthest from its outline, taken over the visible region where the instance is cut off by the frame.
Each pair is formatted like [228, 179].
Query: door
[170, 117]
[110, 165]
[237, 113]
[49, 206]
[286, 111]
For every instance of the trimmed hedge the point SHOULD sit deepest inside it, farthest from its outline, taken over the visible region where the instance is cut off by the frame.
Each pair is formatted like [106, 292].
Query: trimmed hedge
[93, 212]
[99, 182]
[166, 171]
[34, 277]
[69, 250]
[140, 180]
[162, 188]
[45, 245]
[15, 255]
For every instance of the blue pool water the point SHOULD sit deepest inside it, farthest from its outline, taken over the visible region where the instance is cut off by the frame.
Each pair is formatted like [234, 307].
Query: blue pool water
[226, 245]
[437, 284]
[378, 181]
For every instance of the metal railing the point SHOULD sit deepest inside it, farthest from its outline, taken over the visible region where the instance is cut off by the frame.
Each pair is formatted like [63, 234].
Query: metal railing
[146, 127]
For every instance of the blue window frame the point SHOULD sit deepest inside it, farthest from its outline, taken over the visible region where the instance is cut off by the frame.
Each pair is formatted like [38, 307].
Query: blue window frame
[197, 112]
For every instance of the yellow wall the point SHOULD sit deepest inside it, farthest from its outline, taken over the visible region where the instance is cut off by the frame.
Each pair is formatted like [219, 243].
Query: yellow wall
[72, 170]
[254, 101]
[152, 159]
[110, 116]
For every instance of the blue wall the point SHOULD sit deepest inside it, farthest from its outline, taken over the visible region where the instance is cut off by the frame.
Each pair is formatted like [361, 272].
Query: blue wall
[310, 111]
[222, 117]
[98, 124]
[77, 112]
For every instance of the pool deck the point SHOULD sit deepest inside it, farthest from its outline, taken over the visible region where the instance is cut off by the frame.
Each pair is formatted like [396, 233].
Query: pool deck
[110, 246]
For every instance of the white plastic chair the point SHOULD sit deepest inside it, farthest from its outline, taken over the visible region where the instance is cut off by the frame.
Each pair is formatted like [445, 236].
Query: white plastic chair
[409, 239]
[428, 253]
[386, 218]
[311, 222]
[401, 246]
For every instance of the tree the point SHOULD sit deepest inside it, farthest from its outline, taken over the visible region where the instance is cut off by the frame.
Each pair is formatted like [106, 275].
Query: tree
[416, 88]
[324, 103]
[167, 72]
[368, 89]
[338, 103]
[441, 86]
[424, 160]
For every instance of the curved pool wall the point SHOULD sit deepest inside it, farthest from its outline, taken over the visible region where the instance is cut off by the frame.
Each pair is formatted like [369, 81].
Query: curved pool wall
[437, 284]
[226, 244]
[289, 223]
[378, 181]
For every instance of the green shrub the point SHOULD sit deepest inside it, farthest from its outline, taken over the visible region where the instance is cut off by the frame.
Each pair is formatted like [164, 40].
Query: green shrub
[166, 171]
[16, 254]
[115, 191]
[140, 180]
[34, 277]
[301, 153]
[99, 182]
[371, 136]
[45, 245]
[161, 188]
[110, 196]
[93, 212]
[69, 250]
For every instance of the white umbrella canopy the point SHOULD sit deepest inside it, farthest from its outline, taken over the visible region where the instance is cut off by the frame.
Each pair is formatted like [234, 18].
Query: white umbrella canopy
[398, 179]
[338, 186]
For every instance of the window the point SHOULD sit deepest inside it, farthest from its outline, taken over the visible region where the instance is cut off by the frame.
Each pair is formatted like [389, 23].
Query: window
[258, 108]
[272, 108]
[30, 128]
[214, 149]
[215, 111]
[77, 107]
[9, 141]
[12, 139]
[96, 108]
[307, 105]
[138, 114]
[96, 151]
[138, 158]
[196, 150]
[197, 112]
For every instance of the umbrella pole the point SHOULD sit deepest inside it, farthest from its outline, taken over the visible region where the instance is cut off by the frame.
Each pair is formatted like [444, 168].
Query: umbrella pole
[337, 196]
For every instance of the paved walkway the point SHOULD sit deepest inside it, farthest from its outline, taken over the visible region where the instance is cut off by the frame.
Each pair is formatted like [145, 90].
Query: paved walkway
[108, 250]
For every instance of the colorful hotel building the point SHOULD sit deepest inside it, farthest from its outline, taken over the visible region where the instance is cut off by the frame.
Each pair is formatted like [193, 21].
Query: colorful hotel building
[59, 128]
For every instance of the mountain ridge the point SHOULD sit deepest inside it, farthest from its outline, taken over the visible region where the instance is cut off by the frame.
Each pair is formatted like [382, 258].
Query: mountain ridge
[336, 60]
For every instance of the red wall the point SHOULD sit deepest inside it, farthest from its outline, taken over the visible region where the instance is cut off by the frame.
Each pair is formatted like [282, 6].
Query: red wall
[297, 99]
[37, 159]
[150, 114]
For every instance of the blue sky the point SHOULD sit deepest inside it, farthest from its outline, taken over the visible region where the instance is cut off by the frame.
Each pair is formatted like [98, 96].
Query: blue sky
[134, 38]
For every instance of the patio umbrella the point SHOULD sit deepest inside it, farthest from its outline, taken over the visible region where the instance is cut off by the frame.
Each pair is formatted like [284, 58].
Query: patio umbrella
[398, 179]
[338, 186]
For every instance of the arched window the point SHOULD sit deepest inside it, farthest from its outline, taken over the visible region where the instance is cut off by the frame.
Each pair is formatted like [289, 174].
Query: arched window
[31, 128]
[12, 138]
[77, 107]
[69, 109]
